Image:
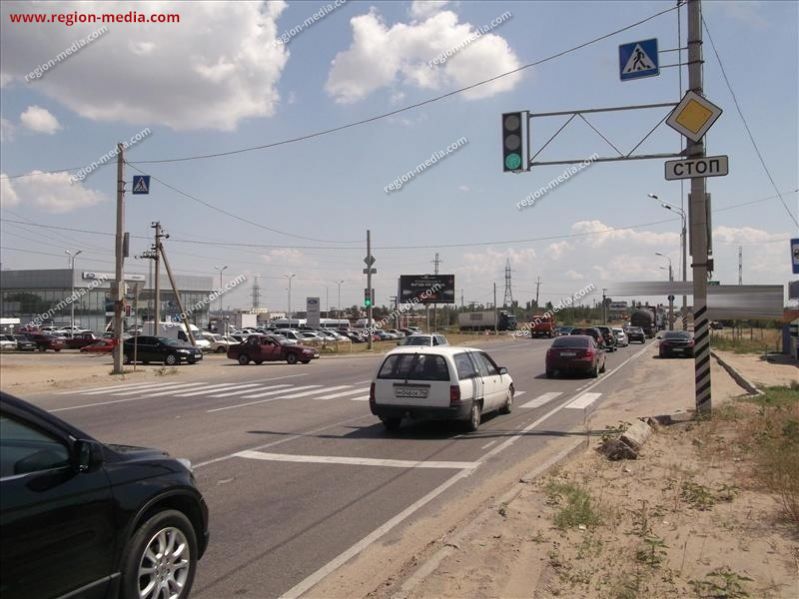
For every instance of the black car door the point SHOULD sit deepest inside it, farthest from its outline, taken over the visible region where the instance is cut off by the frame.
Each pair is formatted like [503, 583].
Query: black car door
[56, 524]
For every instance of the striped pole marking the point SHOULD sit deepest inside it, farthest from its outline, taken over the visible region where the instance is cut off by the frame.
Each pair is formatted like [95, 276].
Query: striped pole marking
[702, 359]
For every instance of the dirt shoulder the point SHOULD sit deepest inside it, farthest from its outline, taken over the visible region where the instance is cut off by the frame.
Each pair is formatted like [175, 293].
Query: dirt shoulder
[755, 368]
[691, 517]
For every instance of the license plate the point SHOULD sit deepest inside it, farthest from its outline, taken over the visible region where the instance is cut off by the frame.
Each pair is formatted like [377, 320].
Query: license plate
[568, 354]
[411, 392]
[677, 350]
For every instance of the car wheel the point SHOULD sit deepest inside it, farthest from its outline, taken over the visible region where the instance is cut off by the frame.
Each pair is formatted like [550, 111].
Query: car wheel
[191, 361]
[57, 350]
[42, 349]
[171, 360]
[145, 362]
[604, 366]
[258, 362]
[161, 558]
[550, 374]
[220, 350]
[595, 371]
[391, 423]
[475, 417]
[306, 361]
[291, 358]
[244, 359]
[508, 407]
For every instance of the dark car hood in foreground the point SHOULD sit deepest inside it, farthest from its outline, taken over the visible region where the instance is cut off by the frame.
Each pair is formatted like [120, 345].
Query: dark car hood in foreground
[133, 452]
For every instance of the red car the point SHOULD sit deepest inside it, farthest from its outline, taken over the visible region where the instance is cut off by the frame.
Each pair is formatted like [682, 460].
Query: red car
[80, 340]
[575, 353]
[263, 348]
[45, 342]
[100, 346]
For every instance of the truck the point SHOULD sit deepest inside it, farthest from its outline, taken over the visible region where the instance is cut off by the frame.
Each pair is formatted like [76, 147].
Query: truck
[645, 317]
[542, 325]
[485, 320]
[244, 320]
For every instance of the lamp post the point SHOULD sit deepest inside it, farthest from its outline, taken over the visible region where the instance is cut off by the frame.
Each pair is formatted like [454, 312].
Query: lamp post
[221, 270]
[671, 295]
[72, 297]
[683, 242]
[338, 305]
[289, 277]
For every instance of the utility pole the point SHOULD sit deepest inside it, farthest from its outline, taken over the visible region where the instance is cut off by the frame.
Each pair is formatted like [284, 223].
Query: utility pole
[338, 305]
[740, 265]
[119, 278]
[72, 297]
[221, 270]
[289, 277]
[183, 314]
[496, 328]
[604, 307]
[698, 217]
[369, 263]
[157, 249]
[537, 288]
[508, 299]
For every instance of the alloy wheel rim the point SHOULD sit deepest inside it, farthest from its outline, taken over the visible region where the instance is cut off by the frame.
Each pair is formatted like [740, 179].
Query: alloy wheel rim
[164, 566]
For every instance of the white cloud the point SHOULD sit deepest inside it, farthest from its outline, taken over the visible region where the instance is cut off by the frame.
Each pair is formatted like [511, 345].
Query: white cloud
[286, 256]
[556, 250]
[219, 65]
[464, 188]
[421, 9]
[40, 120]
[603, 235]
[8, 197]
[573, 275]
[6, 130]
[52, 192]
[382, 56]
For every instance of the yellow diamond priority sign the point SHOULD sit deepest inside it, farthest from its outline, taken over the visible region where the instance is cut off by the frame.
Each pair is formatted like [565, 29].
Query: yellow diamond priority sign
[693, 116]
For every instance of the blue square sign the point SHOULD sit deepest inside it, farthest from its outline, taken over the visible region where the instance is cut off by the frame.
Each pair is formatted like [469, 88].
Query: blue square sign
[141, 184]
[639, 59]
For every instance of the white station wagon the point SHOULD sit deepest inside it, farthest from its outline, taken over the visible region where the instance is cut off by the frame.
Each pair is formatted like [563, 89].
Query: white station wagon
[440, 383]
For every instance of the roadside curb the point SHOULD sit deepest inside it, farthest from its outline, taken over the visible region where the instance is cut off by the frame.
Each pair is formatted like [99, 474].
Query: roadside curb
[737, 376]
[451, 543]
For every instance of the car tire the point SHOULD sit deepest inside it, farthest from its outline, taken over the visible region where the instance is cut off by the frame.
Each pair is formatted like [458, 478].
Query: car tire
[165, 524]
[145, 362]
[507, 408]
[306, 361]
[57, 350]
[391, 424]
[595, 372]
[220, 350]
[191, 361]
[475, 417]
[291, 358]
[258, 362]
[550, 374]
[604, 367]
[171, 360]
[244, 359]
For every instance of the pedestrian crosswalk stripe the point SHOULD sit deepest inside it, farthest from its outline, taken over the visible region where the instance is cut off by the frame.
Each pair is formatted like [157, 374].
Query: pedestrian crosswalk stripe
[583, 401]
[313, 392]
[109, 388]
[131, 389]
[156, 387]
[542, 399]
[352, 461]
[362, 398]
[235, 393]
[337, 395]
[259, 395]
[173, 389]
[216, 389]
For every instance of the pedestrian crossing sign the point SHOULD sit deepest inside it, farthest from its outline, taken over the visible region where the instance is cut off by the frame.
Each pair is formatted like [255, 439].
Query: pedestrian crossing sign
[141, 184]
[639, 59]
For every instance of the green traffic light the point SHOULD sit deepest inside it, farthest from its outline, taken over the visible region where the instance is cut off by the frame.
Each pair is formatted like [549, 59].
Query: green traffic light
[513, 161]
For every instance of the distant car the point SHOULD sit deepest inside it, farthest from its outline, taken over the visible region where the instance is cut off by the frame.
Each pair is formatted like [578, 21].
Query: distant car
[44, 342]
[431, 340]
[621, 337]
[79, 340]
[591, 331]
[575, 353]
[440, 383]
[24, 343]
[397, 332]
[7, 343]
[101, 346]
[636, 334]
[160, 349]
[266, 348]
[81, 518]
[218, 343]
[563, 330]
[715, 324]
[676, 343]
[611, 344]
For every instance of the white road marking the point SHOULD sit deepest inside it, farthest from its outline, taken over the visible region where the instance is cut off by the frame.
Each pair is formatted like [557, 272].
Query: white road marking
[235, 393]
[362, 382]
[324, 459]
[362, 398]
[583, 401]
[342, 394]
[252, 403]
[217, 388]
[542, 400]
[158, 387]
[313, 392]
[130, 390]
[489, 444]
[109, 388]
[519, 393]
[267, 393]
[185, 387]
[99, 403]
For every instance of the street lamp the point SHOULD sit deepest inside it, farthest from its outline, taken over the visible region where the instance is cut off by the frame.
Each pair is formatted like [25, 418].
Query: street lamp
[671, 295]
[338, 305]
[289, 277]
[71, 260]
[221, 270]
[683, 241]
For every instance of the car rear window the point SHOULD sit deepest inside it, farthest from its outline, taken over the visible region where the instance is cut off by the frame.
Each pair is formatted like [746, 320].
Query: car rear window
[419, 367]
[571, 341]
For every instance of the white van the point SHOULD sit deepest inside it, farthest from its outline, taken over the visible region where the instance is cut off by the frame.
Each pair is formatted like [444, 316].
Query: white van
[440, 383]
[177, 330]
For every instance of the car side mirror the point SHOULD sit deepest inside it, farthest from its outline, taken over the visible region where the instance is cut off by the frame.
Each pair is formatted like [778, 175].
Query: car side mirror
[87, 456]
[503, 370]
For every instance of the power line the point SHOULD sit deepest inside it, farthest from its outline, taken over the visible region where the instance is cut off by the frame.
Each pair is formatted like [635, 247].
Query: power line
[385, 114]
[746, 125]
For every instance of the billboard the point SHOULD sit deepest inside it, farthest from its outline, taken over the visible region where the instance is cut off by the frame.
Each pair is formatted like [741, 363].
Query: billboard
[427, 289]
[312, 311]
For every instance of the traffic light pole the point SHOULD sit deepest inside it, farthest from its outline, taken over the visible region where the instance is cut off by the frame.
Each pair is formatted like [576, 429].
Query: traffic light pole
[119, 275]
[369, 287]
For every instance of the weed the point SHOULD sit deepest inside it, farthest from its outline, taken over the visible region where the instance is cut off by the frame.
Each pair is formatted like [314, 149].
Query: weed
[721, 582]
[697, 496]
[503, 510]
[652, 552]
[164, 371]
[578, 508]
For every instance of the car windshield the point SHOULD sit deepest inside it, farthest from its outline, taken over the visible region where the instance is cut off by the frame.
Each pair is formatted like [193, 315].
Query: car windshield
[417, 340]
[168, 341]
[419, 367]
[677, 335]
[571, 341]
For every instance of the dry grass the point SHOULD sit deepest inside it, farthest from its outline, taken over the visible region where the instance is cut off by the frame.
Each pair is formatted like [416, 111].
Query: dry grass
[750, 341]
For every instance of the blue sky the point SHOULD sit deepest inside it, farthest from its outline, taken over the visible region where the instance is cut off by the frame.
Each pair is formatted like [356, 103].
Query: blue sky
[217, 82]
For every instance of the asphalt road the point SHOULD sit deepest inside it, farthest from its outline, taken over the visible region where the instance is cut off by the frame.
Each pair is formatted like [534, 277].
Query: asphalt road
[295, 469]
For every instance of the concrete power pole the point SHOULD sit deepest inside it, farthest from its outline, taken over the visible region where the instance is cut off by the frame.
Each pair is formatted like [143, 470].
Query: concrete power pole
[119, 278]
[537, 289]
[496, 314]
[157, 249]
[698, 223]
[740, 265]
[369, 285]
[436, 262]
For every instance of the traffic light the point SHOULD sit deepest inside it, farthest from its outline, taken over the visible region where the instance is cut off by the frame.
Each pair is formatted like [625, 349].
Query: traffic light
[512, 142]
[368, 298]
